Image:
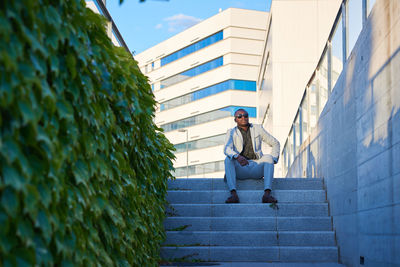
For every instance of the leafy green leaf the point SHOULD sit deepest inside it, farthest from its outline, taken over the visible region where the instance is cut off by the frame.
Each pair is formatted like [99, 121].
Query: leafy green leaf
[25, 232]
[9, 150]
[45, 194]
[31, 201]
[65, 110]
[26, 111]
[10, 202]
[71, 64]
[13, 178]
[81, 172]
[43, 223]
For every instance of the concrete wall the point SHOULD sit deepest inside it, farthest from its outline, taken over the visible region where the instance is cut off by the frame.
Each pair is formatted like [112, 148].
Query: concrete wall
[356, 145]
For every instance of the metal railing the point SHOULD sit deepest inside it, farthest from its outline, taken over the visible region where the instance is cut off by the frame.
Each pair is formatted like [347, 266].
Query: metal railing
[350, 19]
[101, 5]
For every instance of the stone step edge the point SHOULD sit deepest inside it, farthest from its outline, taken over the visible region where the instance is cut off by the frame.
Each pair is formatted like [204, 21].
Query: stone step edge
[258, 232]
[253, 247]
[274, 179]
[246, 190]
[251, 204]
[251, 217]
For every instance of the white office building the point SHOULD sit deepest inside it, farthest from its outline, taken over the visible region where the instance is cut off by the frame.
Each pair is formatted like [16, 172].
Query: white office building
[295, 39]
[199, 78]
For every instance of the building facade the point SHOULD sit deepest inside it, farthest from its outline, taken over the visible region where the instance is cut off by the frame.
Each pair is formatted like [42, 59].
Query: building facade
[199, 78]
[296, 36]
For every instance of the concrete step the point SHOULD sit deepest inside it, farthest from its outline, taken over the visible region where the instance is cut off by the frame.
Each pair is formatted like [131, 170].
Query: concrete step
[250, 184]
[250, 238]
[248, 223]
[251, 253]
[252, 264]
[245, 196]
[247, 210]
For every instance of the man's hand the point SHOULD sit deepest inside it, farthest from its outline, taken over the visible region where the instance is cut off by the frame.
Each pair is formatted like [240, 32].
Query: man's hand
[242, 160]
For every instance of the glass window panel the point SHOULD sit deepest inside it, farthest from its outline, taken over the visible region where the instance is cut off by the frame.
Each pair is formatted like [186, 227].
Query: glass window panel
[323, 71]
[354, 9]
[313, 96]
[201, 143]
[207, 117]
[305, 115]
[323, 97]
[192, 72]
[200, 169]
[337, 41]
[290, 147]
[370, 5]
[297, 133]
[337, 54]
[192, 48]
[285, 159]
[322, 89]
[323, 68]
[211, 90]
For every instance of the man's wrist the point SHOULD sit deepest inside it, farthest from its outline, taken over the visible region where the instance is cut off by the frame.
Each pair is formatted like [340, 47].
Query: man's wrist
[235, 156]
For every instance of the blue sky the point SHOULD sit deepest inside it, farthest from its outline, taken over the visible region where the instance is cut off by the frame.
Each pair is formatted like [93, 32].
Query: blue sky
[143, 25]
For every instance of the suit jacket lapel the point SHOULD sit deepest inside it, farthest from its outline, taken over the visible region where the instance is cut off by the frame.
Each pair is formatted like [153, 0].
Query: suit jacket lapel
[253, 139]
[239, 140]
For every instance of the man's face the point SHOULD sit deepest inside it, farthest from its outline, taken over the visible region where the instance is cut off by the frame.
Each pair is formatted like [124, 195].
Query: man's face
[241, 118]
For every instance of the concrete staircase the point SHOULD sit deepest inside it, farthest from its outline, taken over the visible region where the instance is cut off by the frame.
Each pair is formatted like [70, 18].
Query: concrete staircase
[201, 227]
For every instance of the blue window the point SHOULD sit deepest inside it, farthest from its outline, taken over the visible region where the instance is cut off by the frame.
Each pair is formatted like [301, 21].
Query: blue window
[215, 63]
[207, 117]
[192, 48]
[211, 90]
[216, 140]
[209, 167]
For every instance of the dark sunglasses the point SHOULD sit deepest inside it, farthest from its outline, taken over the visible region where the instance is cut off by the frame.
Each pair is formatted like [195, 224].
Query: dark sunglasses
[242, 115]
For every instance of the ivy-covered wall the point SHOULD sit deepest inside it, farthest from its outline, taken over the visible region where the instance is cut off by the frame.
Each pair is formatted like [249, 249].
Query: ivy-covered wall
[83, 167]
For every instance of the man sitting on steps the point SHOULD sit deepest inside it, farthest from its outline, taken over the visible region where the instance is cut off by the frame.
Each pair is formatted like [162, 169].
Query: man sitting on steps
[244, 157]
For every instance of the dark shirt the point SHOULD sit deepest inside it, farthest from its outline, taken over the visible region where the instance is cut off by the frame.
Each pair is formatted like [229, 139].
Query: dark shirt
[248, 151]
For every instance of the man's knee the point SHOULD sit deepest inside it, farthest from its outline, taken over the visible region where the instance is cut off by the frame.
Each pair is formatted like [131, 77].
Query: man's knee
[228, 160]
[266, 159]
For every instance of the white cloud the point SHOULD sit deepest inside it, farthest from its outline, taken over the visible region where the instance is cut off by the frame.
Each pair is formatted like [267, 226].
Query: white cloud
[238, 4]
[158, 26]
[181, 22]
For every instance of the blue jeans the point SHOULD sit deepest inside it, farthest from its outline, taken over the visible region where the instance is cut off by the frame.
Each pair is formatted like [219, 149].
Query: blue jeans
[256, 169]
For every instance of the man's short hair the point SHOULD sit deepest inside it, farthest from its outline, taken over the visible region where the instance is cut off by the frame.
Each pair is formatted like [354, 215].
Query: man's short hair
[240, 109]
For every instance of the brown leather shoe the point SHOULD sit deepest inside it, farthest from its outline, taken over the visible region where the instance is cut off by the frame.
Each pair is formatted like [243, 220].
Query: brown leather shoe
[233, 198]
[267, 198]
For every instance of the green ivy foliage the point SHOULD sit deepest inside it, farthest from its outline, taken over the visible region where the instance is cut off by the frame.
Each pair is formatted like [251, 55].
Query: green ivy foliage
[83, 167]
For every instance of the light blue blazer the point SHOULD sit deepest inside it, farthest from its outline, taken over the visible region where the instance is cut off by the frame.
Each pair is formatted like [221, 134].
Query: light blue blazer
[234, 142]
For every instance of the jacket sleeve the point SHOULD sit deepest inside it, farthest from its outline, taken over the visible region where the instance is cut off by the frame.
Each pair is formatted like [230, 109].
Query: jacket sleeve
[229, 147]
[271, 141]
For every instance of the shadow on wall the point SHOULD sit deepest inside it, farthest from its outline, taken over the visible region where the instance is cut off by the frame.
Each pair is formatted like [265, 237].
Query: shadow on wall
[356, 147]
[376, 107]
[384, 96]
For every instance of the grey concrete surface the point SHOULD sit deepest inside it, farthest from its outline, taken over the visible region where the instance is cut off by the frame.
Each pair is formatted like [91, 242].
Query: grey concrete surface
[198, 229]
[255, 264]
[356, 145]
